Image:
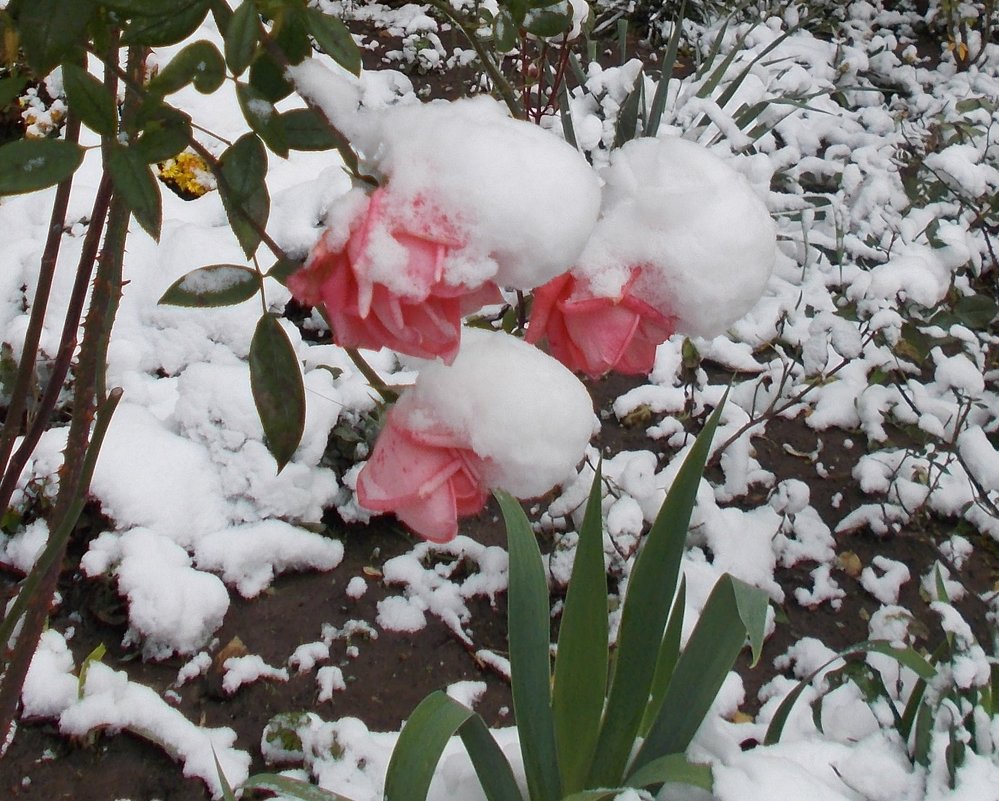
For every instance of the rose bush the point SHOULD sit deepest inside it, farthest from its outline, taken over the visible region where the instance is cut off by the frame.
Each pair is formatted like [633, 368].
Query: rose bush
[418, 314]
[504, 415]
[593, 334]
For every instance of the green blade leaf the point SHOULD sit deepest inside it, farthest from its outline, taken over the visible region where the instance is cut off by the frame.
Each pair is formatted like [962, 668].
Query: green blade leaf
[669, 653]
[673, 768]
[669, 64]
[241, 36]
[581, 661]
[227, 794]
[174, 25]
[214, 285]
[290, 787]
[51, 31]
[135, 184]
[262, 118]
[243, 191]
[904, 656]
[707, 659]
[89, 100]
[651, 588]
[30, 164]
[278, 389]
[199, 63]
[422, 740]
[627, 122]
[530, 665]
[333, 39]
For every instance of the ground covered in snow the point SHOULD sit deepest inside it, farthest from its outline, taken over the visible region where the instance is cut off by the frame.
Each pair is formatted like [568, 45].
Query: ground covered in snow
[855, 476]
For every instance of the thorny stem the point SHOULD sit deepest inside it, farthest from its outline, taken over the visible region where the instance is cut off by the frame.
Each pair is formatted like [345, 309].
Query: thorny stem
[26, 367]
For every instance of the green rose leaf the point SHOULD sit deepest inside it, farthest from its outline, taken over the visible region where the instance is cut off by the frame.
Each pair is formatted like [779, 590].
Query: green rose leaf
[214, 285]
[166, 26]
[31, 164]
[52, 30]
[199, 63]
[278, 389]
[89, 100]
[135, 183]
[244, 193]
[333, 39]
[241, 37]
[263, 118]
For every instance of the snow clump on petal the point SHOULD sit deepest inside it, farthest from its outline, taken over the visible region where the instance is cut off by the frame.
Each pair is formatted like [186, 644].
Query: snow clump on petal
[704, 240]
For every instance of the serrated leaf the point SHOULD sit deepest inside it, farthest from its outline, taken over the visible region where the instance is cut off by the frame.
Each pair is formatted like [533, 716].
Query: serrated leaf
[504, 32]
[135, 183]
[214, 285]
[170, 27]
[530, 665]
[333, 39]
[306, 130]
[262, 118]
[90, 100]
[241, 36]
[268, 78]
[545, 24]
[199, 63]
[164, 134]
[10, 90]
[243, 191]
[31, 164]
[278, 389]
[51, 30]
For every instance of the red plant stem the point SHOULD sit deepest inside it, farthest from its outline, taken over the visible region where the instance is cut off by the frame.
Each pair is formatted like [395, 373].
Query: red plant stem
[39, 304]
[67, 344]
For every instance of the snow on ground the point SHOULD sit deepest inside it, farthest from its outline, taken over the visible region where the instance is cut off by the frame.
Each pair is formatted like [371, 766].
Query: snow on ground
[199, 511]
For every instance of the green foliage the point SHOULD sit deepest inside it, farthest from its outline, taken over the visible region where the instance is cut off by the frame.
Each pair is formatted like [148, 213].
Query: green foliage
[244, 191]
[89, 99]
[30, 164]
[135, 183]
[214, 285]
[278, 389]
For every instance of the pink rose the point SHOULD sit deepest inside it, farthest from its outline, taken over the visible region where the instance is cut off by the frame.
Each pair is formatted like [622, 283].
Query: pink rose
[594, 334]
[422, 475]
[418, 313]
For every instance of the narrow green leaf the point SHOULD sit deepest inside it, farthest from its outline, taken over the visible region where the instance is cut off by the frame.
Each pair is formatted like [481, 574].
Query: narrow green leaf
[752, 604]
[420, 745]
[669, 653]
[292, 788]
[923, 735]
[135, 183]
[174, 25]
[243, 191]
[669, 64]
[333, 39]
[30, 164]
[673, 769]
[627, 121]
[530, 665]
[304, 129]
[651, 588]
[52, 31]
[241, 37]
[490, 764]
[262, 118]
[89, 100]
[581, 661]
[199, 63]
[706, 660]
[278, 389]
[904, 656]
[214, 285]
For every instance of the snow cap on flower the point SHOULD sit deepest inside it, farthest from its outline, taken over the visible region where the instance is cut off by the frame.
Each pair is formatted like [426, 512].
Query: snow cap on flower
[522, 201]
[524, 414]
[704, 240]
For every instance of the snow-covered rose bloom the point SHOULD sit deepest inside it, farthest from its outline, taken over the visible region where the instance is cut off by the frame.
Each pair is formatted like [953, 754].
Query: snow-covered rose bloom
[595, 334]
[683, 243]
[504, 415]
[419, 313]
